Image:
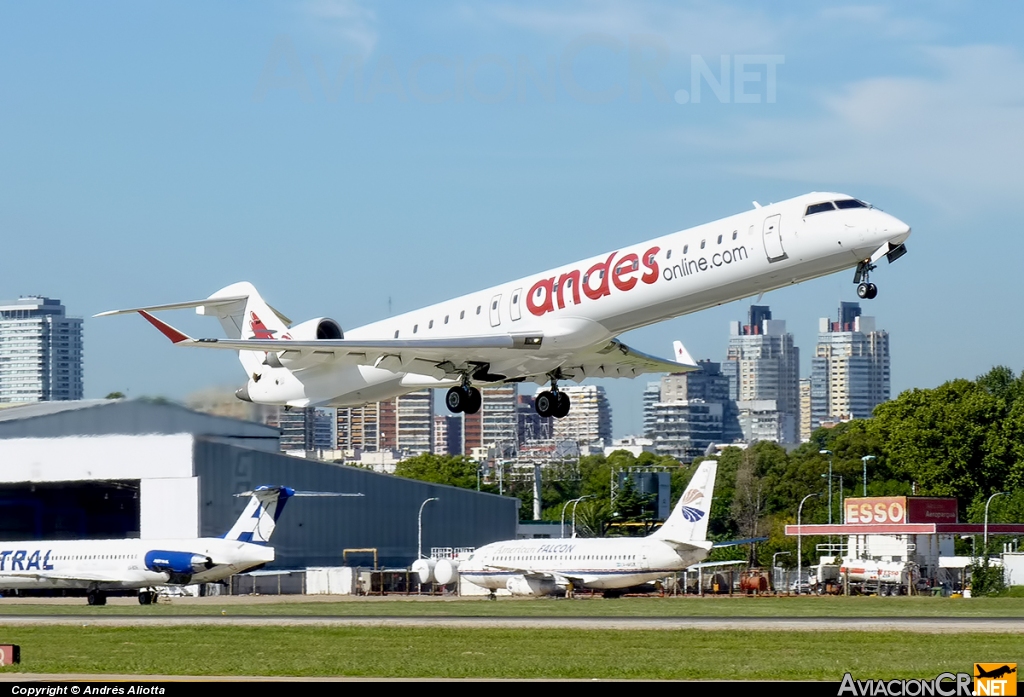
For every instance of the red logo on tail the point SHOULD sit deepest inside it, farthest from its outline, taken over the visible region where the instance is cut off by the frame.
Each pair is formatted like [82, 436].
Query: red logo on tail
[259, 329]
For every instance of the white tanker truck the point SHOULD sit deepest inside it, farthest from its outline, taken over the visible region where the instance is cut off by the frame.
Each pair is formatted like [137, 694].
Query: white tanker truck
[881, 577]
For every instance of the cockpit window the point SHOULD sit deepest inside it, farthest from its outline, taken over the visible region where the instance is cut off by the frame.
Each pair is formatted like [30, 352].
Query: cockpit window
[850, 203]
[819, 208]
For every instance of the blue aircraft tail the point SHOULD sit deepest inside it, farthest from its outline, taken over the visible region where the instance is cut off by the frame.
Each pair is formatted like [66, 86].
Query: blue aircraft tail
[258, 520]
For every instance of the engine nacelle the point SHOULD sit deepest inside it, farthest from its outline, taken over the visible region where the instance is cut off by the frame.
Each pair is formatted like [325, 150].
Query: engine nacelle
[536, 587]
[177, 563]
[319, 328]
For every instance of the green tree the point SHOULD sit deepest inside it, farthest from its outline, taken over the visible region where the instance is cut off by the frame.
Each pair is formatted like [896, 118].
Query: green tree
[453, 470]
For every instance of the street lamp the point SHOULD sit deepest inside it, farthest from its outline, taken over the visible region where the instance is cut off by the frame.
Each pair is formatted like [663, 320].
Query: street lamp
[574, 512]
[985, 538]
[830, 454]
[562, 528]
[799, 546]
[775, 570]
[864, 462]
[419, 534]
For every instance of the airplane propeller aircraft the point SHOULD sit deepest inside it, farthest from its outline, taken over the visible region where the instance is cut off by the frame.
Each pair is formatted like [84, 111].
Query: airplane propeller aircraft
[550, 327]
[103, 566]
[541, 566]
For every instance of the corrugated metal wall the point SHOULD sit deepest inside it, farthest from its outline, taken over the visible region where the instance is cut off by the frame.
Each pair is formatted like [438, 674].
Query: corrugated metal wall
[314, 531]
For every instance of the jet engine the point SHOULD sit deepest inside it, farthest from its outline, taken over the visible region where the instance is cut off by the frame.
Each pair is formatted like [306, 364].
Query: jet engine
[179, 566]
[319, 328]
[523, 585]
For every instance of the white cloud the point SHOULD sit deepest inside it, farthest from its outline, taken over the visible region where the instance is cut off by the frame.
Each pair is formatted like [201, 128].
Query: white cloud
[346, 20]
[700, 28]
[949, 138]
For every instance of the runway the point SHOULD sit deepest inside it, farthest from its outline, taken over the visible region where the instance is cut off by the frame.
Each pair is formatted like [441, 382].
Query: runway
[932, 625]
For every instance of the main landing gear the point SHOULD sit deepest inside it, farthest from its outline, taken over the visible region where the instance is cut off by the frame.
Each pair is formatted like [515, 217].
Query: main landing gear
[96, 597]
[552, 402]
[865, 290]
[147, 597]
[464, 398]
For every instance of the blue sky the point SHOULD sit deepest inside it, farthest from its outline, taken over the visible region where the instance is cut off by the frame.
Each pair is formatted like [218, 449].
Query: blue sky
[345, 156]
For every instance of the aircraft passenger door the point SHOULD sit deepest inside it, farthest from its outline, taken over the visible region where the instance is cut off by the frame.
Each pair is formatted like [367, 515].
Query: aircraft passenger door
[773, 238]
[496, 310]
[513, 307]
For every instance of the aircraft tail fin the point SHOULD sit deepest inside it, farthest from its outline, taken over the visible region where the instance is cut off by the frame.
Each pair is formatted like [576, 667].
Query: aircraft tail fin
[688, 523]
[258, 520]
[248, 317]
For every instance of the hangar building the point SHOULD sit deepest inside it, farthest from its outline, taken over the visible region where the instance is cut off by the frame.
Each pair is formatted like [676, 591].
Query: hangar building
[101, 469]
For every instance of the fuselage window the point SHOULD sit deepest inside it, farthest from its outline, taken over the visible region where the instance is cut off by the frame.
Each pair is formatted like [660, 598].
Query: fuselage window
[719, 239]
[819, 208]
[478, 309]
[734, 234]
[686, 248]
[462, 315]
[668, 254]
[396, 333]
[446, 319]
[415, 328]
[431, 325]
[494, 305]
[702, 244]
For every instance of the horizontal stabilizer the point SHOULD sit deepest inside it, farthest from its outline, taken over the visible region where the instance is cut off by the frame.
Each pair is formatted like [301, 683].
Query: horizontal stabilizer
[205, 302]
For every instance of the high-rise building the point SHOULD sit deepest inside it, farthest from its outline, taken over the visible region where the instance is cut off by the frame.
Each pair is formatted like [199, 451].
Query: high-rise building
[684, 429]
[589, 422]
[710, 386]
[652, 395]
[447, 435]
[850, 368]
[763, 367]
[805, 409]
[40, 352]
[404, 424]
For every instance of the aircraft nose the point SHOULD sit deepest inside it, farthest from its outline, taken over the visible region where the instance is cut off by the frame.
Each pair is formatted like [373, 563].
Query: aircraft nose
[893, 229]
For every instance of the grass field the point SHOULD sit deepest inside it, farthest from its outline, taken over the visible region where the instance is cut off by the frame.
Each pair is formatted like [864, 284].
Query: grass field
[551, 653]
[502, 653]
[721, 606]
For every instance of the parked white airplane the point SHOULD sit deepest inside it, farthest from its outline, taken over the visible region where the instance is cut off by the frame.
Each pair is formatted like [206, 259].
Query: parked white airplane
[558, 325]
[103, 566]
[541, 566]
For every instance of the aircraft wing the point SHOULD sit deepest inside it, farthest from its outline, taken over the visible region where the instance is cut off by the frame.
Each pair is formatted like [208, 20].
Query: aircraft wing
[616, 360]
[438, 358]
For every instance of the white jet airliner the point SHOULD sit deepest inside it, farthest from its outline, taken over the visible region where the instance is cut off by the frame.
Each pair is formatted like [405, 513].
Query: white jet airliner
[554, 326]
[103, 566]
[539, 567]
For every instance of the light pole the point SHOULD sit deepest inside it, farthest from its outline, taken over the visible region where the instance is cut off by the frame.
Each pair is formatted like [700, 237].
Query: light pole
[800, 547]
[984, 546]
[562, 528]
[864, 463]
[574, 512]
[830, 454]
[775, 570]
[419, 528]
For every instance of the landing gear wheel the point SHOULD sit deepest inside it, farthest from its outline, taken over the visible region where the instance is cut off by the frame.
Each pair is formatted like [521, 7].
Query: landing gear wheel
[862, 291]
[545, 404]
[474, 401]
[147, 597]
[872, 291]
[562, 405]
[456, 400]
[96, 598]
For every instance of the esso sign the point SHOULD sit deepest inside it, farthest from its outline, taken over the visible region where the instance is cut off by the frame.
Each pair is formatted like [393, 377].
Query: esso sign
[883, 510]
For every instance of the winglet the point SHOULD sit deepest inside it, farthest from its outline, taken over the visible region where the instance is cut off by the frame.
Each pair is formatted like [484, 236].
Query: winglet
[167, 330]
[683, 356]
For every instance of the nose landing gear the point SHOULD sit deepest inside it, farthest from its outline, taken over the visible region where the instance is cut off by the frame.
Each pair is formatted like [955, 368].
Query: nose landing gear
[865, 290]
